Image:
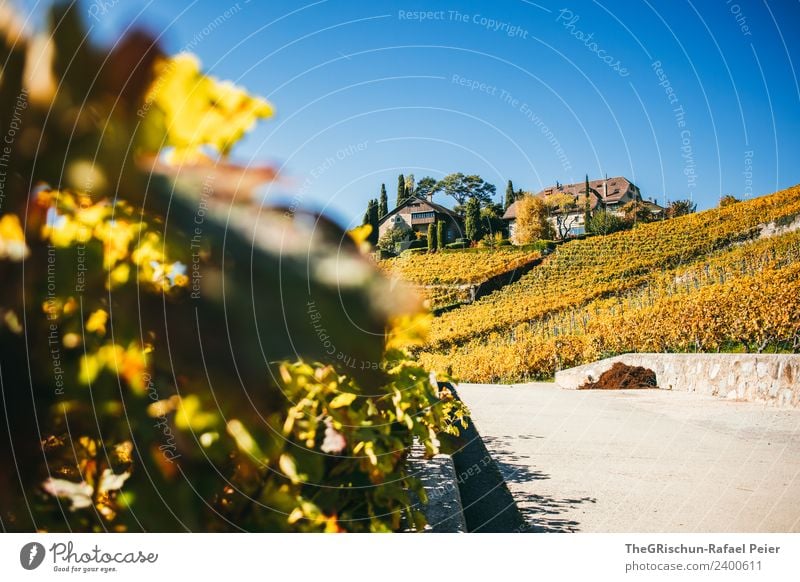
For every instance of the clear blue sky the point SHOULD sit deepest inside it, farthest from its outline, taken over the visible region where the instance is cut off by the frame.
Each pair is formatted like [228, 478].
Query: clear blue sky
[545, 105]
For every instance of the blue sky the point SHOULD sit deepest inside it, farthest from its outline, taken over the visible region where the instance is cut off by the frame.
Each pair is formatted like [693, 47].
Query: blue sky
[687, 99]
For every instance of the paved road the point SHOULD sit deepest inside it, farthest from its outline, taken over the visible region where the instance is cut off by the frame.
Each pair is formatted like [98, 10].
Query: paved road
[641, 460]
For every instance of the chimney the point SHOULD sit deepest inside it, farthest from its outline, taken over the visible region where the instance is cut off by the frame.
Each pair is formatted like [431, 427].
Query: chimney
[605, 188]
[430, 196]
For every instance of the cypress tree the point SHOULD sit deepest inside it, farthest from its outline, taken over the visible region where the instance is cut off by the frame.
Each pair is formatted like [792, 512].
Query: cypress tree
[373, 220]
[510, 196]
[440, 240]
[383, 206]
[587, 207]
[401, 189]
[472, 222]
[431, 237]
[365, 220]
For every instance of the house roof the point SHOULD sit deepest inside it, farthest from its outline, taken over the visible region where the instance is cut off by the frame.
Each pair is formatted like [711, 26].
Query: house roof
[432, 205]
[617, 188]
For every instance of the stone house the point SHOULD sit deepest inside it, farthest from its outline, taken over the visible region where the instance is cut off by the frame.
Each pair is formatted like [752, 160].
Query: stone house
[610, 194]
[416, 213]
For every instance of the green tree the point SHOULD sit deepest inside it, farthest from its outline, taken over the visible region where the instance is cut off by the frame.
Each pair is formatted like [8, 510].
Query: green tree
[604, 222]
[431, 237]
[678, 208]
[383, 205]
[441, 240]
[510, 195]
[372, 209]
[401, 189]
[587, 204]
[635, 212]
[727, 200]
[394, 235]
[491, 221]
[472, 221]
[425, 187]
[462, 188]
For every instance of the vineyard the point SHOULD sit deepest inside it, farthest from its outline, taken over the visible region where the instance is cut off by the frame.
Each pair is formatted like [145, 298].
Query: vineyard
[444, 278]
[704, 282]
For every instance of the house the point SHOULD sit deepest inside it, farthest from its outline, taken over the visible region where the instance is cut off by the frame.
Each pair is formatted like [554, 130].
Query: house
[610, 194]
[416, 213]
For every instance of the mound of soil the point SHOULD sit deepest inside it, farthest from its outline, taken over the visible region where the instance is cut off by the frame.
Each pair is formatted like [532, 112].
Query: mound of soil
[623, 377]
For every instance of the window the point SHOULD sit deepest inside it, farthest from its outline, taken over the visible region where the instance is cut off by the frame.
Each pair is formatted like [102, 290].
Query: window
[422, 215]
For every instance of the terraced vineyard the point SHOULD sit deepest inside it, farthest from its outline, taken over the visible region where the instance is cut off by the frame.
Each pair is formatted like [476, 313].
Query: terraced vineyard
[444, 278]
[679, 285]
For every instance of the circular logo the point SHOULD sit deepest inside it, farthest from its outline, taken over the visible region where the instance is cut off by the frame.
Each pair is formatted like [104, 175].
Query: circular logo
[31, 555]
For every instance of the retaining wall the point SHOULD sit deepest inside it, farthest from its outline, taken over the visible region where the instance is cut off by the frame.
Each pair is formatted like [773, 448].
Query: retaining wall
[770, 378]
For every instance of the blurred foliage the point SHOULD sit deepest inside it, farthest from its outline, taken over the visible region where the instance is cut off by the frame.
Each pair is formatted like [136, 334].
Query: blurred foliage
[172, 356]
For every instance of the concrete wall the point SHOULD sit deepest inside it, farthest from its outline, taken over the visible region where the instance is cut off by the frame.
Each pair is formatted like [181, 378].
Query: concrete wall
[770, 378]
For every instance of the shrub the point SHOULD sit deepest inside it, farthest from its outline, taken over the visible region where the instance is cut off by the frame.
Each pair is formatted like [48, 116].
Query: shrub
[394, 235]
[296, 427]
[605, 223]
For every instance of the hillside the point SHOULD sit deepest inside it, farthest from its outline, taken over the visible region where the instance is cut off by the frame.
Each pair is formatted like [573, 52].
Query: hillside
[443, 278]
[702, 282]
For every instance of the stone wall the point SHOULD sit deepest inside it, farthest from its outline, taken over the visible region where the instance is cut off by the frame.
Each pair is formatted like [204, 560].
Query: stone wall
[770, 378]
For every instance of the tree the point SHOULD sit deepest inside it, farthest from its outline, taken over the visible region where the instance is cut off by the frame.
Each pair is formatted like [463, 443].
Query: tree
[727, 200]
[678, 208]
[431, 237]
[425, 187]
[587, 203]
[604, 222]
[372, 213]
[383, 205]
[401, 190]
[491, 221]
[472, 221]
[441, 240]
[462, 188]
[394, 235]
[532, 222]
[635, 212]
[562, 209]
[409, 182]
[510, 195]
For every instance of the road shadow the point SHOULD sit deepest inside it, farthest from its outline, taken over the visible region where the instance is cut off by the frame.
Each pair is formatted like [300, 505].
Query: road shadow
[541, 513]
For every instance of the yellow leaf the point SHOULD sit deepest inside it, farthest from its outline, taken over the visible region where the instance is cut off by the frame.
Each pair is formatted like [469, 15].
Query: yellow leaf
[343, 399]
[289, 468]
[97, 322]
